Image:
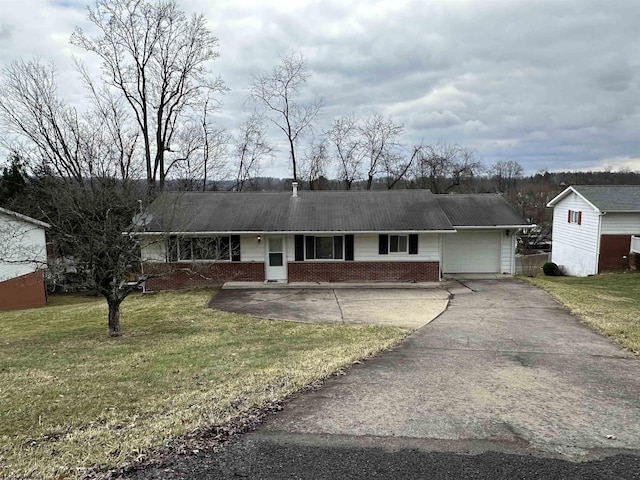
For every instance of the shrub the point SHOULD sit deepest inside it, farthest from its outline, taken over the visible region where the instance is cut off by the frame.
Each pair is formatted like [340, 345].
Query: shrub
[550, 269]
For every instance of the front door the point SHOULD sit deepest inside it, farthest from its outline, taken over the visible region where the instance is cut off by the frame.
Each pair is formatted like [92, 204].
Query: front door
[276, 262]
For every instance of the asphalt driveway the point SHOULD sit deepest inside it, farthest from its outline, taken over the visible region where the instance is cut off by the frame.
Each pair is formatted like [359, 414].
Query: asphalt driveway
[404, 307]
[504, 384]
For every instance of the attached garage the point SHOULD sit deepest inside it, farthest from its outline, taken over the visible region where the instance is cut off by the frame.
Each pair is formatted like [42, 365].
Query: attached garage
[472, 252]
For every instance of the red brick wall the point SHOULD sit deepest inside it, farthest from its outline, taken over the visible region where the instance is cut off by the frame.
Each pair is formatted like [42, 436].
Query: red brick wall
[25, 291]
[363, 271]
[173, 276]
[614, 252]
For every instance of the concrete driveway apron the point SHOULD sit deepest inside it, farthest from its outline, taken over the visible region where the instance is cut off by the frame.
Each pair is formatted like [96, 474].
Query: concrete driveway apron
[402, 307]
[505, 368]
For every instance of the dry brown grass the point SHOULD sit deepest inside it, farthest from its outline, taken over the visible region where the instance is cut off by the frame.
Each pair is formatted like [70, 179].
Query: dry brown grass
[609, 302]
[71, 399]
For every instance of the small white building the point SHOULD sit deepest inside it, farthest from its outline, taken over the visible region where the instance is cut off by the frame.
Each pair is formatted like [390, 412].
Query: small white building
[23, 255]
[593, 227]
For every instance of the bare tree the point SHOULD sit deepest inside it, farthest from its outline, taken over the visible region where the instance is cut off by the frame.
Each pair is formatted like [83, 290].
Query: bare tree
[380, 143]
[348, 147]
[444, 167]
[201, 150]
[279, 91]
[251, 148]
[315, 163]
[397, 167]
[506, 174]
[92, 224]
[157, 58]
[53, 132]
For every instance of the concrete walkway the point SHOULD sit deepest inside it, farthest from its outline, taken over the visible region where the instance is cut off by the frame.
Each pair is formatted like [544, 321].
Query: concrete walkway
[399, 304]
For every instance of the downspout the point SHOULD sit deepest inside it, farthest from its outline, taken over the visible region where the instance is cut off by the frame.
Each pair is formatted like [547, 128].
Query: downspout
[599, 234]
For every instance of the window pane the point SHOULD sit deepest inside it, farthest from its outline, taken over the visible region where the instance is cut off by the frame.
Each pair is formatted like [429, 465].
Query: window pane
[324, 248]
[184, 248]
[393, 243]
[210, 248]
[172, 248]
[402, 243]
[275, 259]
[398, 243]
[337, 247]
[275, 244]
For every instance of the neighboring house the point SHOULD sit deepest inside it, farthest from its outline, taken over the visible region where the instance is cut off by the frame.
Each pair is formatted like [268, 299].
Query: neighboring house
[593, 226]
[194, 238]
[22, 256]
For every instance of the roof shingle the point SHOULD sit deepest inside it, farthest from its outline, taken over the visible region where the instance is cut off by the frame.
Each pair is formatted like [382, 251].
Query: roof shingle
[611, 198]
[325, 211]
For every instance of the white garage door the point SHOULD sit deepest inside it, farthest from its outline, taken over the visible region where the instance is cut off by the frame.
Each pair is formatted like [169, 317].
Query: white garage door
[472, 252]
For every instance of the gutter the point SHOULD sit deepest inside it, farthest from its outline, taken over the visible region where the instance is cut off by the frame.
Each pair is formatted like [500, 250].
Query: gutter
[291, 232]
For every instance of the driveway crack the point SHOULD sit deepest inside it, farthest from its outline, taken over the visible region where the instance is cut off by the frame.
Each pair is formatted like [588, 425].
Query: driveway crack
[339, 306]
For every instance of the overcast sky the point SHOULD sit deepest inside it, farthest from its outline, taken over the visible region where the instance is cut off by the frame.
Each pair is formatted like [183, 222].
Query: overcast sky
[550, 84]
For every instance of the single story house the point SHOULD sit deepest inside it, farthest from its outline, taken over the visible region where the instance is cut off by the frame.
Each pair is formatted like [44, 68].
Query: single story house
[23, 255]
[593, 227]
[192, 238]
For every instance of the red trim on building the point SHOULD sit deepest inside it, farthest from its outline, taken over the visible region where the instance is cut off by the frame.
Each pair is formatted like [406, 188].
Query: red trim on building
[26, 291]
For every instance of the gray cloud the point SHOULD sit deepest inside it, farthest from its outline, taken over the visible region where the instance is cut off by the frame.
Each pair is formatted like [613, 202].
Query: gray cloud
[550, 84]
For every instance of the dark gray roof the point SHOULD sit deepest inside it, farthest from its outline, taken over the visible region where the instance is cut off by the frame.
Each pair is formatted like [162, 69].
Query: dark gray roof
[324, 211]
[479, 210]
[611, 198]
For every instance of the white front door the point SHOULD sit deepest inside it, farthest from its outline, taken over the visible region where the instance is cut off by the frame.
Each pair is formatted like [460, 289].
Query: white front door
[276, 261]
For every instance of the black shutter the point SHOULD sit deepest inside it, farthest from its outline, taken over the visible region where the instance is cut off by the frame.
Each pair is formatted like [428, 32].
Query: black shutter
[311, 247]
[172, 249]
[348, 247]
[413, 244]
[223, 250]
[383, 244]
[235, 248]
[337, 247]
[299, 241]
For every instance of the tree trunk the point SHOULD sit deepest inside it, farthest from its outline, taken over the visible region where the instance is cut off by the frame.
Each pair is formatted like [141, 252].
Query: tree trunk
[369, 182]
[114, 319]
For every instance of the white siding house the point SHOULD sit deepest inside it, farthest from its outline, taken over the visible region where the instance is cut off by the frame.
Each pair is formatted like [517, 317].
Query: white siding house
[592, 227]
[326, 236]
[23, 254]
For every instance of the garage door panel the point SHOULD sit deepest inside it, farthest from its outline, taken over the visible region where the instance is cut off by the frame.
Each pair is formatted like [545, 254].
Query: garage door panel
[472, 252]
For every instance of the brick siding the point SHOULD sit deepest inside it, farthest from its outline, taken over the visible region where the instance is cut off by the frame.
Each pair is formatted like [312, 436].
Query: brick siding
[363, 271]
[174, 276]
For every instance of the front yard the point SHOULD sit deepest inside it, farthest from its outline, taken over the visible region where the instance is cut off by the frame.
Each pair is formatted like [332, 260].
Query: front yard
[609, 302]
[72, 399]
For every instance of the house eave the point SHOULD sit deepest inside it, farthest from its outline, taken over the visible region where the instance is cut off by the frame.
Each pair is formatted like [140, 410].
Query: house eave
[24, 218]
[492, 227]
[554, 201]
[289, 232]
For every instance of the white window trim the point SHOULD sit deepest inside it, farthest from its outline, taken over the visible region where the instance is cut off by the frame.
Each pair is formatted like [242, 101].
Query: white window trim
[179, 259]
[405, 252]
[333, 246]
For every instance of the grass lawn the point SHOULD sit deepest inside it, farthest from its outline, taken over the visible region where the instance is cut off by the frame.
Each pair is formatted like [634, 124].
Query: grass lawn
[608, 302]
[71, 398]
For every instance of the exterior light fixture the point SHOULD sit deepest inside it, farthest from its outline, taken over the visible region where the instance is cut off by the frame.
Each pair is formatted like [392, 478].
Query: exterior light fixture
[259, 238]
